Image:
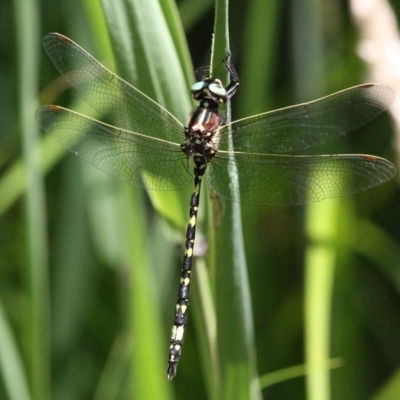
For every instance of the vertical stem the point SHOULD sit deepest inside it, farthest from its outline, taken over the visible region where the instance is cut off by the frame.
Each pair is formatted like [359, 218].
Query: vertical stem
[27, 23]
[320, 266]
[235, 330]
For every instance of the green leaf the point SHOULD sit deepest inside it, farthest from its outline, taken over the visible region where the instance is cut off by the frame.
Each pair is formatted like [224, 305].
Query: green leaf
[235, 329]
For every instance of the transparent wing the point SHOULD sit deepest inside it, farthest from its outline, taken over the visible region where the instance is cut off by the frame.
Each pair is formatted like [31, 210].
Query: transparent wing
[280, 180]
[111, 96]
[131, 157]
[309, 124]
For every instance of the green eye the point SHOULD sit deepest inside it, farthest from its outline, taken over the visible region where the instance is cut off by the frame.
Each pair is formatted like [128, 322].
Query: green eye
[217, 89]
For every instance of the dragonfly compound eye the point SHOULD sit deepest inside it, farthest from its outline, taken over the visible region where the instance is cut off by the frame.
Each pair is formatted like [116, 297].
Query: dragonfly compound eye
[197, 89]
[217, 89]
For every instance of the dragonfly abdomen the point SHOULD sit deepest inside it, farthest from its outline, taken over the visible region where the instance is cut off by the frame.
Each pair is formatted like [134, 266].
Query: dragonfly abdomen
[182, 302]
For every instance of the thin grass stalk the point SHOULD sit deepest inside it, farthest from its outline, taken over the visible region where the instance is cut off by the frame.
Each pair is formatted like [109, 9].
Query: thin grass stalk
[319, 256]
[293, 372]
[27, 23]
[149, 355]
[320, 260]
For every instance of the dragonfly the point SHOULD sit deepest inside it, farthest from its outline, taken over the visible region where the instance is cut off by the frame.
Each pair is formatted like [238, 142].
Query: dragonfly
[146, 146]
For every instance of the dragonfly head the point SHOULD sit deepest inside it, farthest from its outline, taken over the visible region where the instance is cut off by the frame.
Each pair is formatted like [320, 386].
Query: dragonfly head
[209, 91]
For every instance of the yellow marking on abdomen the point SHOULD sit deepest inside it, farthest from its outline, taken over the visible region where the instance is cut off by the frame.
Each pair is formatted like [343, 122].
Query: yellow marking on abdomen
[192, 221]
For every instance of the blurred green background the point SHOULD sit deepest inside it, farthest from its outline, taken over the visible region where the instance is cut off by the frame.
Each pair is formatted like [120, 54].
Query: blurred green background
[89, 266]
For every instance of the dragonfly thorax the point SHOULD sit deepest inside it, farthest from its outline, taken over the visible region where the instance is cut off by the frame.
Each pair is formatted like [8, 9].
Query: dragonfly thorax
[201, 133]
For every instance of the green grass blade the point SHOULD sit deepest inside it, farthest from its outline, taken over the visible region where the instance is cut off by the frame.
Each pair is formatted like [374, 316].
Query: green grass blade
[151, 62]
[11, 363]
[234, 311]
[321, 218]
[110, 382]
[176, 29]
[320, 261]
[296, 371]
[38, 329]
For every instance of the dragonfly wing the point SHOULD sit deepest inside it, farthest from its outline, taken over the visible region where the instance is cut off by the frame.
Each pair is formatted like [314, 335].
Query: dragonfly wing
[309, 124]
[134, 158]
[280, 180]
[114, 98]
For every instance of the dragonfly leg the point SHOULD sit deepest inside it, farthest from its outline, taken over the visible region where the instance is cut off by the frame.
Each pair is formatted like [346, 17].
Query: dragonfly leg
[233, 85]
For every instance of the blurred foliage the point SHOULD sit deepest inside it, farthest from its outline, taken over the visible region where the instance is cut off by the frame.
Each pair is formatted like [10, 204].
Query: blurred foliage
[98, 230]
